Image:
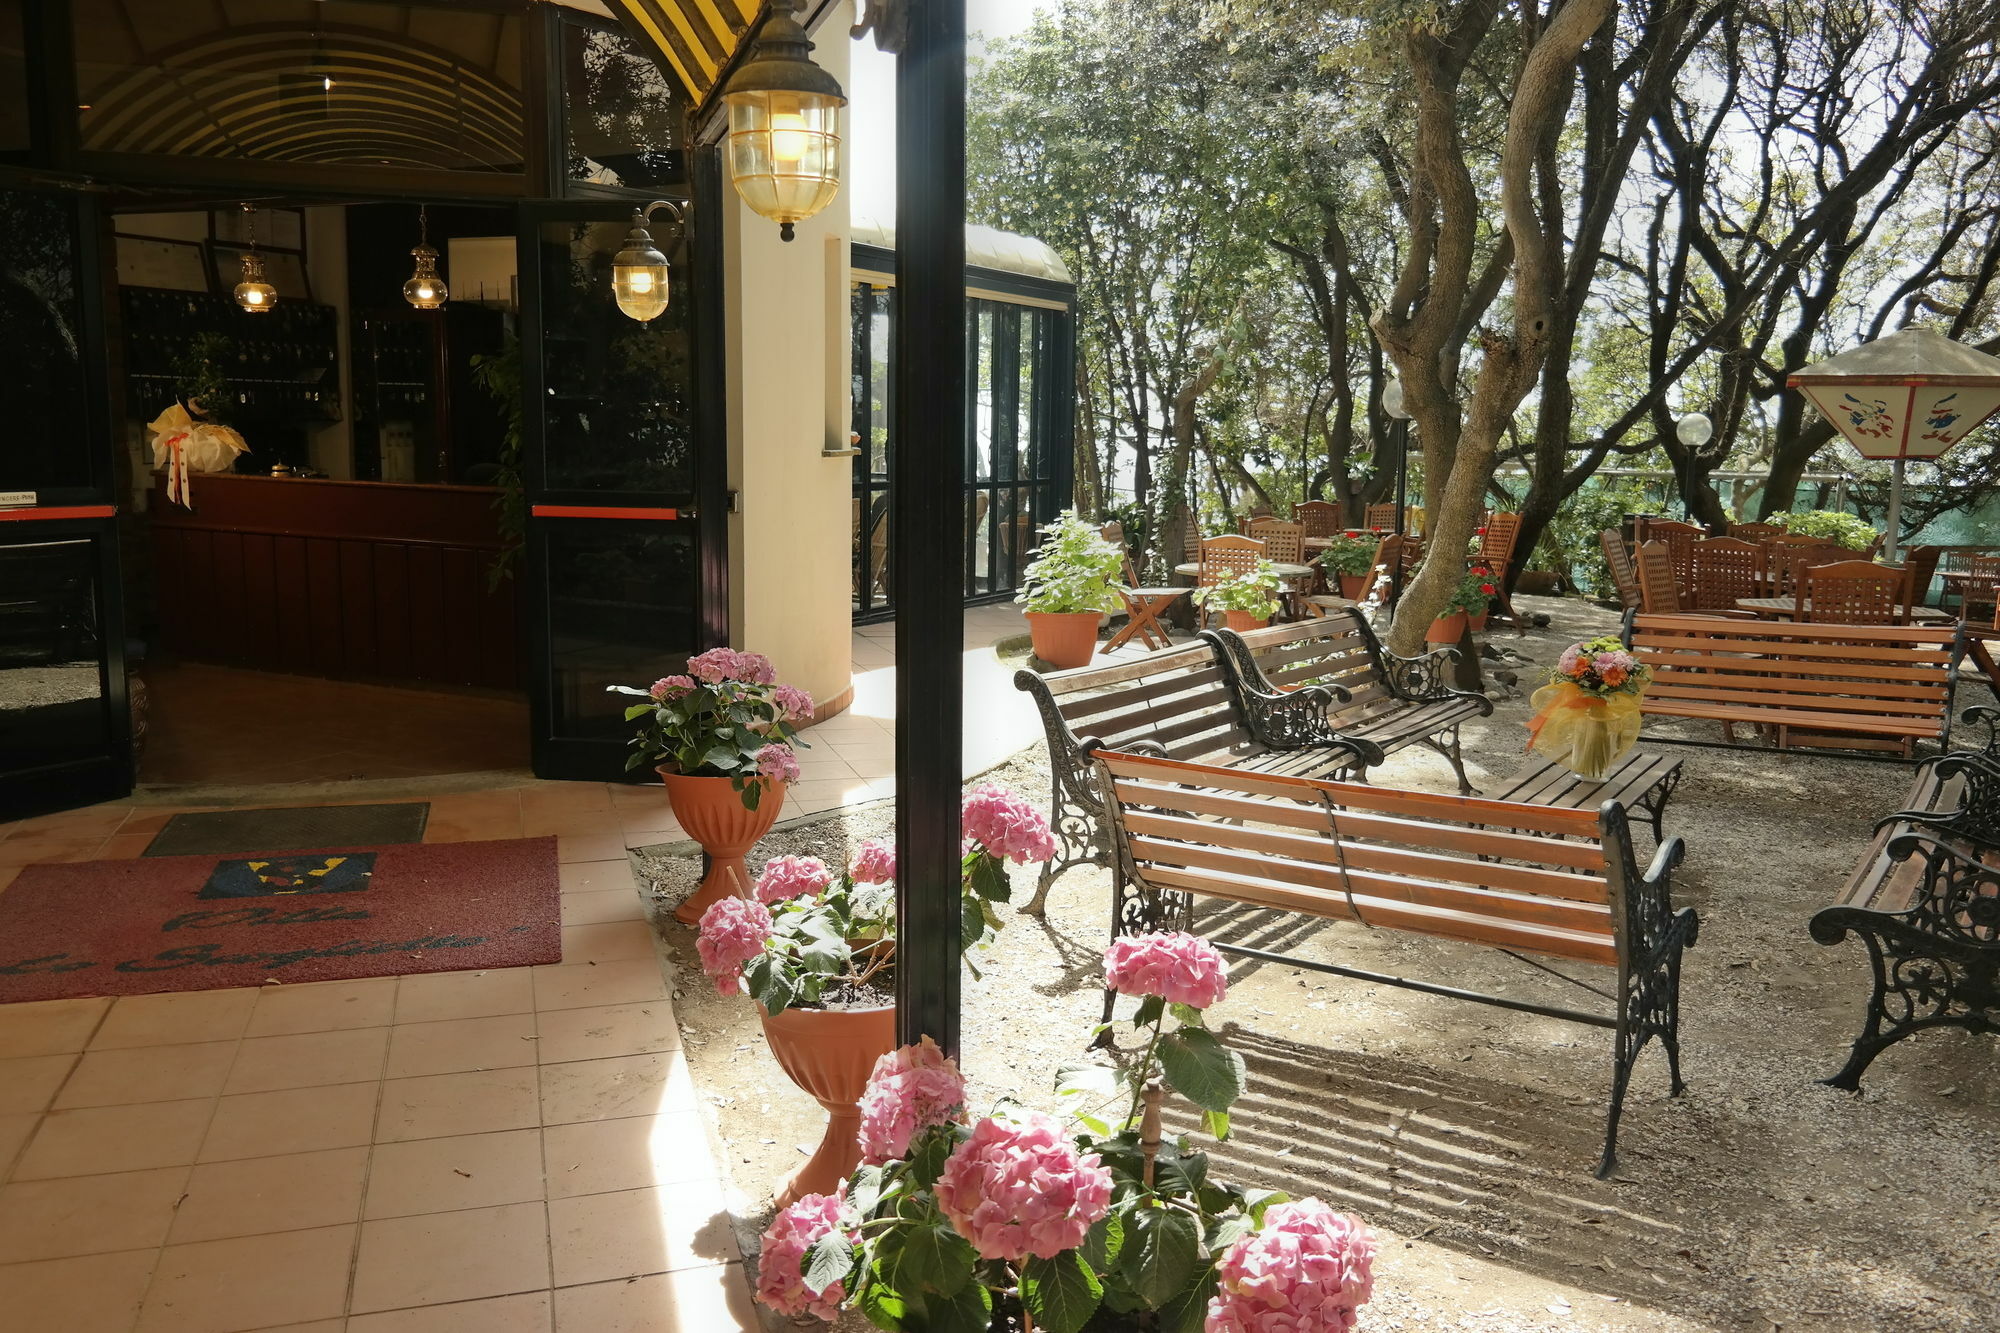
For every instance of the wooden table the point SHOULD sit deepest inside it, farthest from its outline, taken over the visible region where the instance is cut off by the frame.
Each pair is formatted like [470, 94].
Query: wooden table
[1192, 569]
[1639, 781]
[1784, 608]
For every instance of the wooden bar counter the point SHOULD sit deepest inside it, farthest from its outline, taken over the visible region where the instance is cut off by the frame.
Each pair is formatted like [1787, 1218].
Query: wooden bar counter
[363, 580]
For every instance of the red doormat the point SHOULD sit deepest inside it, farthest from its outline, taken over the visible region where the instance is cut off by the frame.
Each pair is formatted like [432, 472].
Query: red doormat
[205, 922]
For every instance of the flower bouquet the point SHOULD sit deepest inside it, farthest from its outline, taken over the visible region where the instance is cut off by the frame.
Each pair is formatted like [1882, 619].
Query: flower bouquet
[814, 949]
[1015, 1222]
[1587, 716]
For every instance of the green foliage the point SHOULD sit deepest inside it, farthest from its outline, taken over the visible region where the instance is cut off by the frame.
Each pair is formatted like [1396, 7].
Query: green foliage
[1830, 525]
[1350, 555]
[1570, 545]
[1251, 590]
[711, 729]
[199, 377]
[499, 375]
[1074, 570]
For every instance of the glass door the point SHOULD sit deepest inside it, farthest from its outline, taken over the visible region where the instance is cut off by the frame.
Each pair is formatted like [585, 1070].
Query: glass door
[623, 476]
[65, 732]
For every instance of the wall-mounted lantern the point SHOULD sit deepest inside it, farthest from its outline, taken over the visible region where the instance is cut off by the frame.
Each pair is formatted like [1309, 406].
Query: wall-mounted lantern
[639, 271]
[784, 124]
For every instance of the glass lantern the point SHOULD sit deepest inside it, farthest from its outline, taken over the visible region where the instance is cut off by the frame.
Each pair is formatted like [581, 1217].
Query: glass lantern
[255, 295]
[784, 125]
[639, 279]
[425, 290]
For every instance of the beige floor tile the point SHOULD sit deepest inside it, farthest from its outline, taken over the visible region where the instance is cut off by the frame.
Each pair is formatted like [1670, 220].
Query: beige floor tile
[598, 1237]
[177, 1018]
[611, 942]
[264, 1194]
[149, 1074]
[96, 1293]
[698, 1300]
[461, 1044]
[249, 1282]
[603, 1156]
[442, 1257]
[590, 909]
[91, 1140]
[14, 1132]
[316, 1326]
[579, 847]
[28, 1083]
[52, 1219]
[447, 1104]
[575, 986]
[267, 1124]
[608, 1089]
[323, 1006]
[436, 996]
[308, 1060]
[526, 1313]
[48, 1027]
[607, 1030]
[581, 824]
[444, 1175]
[595, 876]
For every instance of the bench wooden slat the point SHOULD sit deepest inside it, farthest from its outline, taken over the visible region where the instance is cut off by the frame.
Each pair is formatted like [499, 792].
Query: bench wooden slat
[1654, 647]
[1097, 676]
[1423, 920]
[1776, 694]
[1816, 678]
[1806, 630]
[1386, 860]
[1794, 717]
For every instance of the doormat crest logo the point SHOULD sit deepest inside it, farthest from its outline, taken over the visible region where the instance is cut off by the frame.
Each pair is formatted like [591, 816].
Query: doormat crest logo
[287, 876]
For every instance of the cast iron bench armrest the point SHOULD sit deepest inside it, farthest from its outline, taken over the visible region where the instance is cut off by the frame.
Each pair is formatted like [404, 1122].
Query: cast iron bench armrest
[1985, 715]
[1292, 719]
[1653, 928]
[1421, 679]
[1977, 816]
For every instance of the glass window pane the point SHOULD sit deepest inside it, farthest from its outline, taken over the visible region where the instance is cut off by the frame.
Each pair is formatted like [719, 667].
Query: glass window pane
[342, 81]
[618, 401]
[13, 80]
[41, 377]
[622, 115]
[52, 707]
[621, 612]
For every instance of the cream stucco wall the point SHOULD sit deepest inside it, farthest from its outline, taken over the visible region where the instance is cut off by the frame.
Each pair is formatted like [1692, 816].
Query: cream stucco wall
[787, 350]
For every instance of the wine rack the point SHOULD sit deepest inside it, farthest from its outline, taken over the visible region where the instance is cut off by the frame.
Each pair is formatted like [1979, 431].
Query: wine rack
[281, 367]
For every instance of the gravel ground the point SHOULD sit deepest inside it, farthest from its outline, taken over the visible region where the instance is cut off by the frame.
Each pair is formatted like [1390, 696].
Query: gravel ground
[1467, 1135]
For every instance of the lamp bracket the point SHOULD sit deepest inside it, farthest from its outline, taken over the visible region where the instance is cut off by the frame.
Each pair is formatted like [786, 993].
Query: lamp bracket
[642, 216]
[889, 20]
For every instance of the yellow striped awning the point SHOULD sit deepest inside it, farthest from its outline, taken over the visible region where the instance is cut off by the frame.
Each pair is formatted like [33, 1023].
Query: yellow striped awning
[696, 39]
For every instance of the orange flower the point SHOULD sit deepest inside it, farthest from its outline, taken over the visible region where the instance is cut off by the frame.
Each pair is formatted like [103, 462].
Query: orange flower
[1613, 676]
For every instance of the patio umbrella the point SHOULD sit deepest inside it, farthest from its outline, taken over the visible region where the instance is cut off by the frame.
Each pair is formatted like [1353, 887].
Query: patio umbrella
[1913, 394]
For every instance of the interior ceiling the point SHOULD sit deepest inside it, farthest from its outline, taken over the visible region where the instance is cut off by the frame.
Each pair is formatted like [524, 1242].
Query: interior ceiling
[696, 39]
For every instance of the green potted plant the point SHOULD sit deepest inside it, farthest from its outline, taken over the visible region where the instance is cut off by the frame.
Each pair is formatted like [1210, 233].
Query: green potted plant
[1247, 599]
[814, 950]
[1482, 575]
[720, 737]
[1018, 1221]
[1350, 561]
[1468, 598]
[1067, 589]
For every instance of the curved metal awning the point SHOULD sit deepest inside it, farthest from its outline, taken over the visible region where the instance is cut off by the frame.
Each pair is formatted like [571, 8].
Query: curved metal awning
[695, 39]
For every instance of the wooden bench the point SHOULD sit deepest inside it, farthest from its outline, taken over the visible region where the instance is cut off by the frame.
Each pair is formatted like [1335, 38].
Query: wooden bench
[1639, 781]
[1857, 687]
[1925, 899]
[1387, 703]
[1184, 701]
[1522, 878]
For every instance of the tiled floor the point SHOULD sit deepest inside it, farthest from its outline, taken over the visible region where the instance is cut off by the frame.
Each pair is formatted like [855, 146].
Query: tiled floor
[457, 1152]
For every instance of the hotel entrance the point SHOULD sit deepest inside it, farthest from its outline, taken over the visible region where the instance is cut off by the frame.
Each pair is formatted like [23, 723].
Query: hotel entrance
[275, 510]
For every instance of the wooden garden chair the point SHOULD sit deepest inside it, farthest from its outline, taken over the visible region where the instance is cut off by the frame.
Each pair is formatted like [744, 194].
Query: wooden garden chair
[1321, 518]
[1791, 559]
[1497, 539]
[1659, 592]
[1725, 571]
[1679, 539]
[1285, 544]
[1237, 555]
[1921, 562]
[1852, 592]
[1382, 518]
[1754, 532]
[1143, 606]
[1624, 574]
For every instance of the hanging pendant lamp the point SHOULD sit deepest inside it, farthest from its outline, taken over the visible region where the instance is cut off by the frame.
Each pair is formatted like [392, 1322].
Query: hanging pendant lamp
[425, 290]
[253, 294]
[784, 124]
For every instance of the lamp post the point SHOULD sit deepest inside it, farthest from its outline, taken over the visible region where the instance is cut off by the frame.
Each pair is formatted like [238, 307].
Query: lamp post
[1692, 430]
[1912, 394]
[1399, 432]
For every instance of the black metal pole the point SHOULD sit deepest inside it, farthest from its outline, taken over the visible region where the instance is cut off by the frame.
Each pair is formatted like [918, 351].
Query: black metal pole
[927, 535]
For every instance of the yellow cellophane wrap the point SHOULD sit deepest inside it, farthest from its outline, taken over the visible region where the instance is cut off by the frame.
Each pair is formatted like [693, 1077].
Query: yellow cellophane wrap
[1585, 733]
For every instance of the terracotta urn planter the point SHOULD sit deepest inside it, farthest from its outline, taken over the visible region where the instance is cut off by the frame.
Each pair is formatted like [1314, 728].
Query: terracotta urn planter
[1354, 587]
[711, 810]
[1064, 639]
[1240, 621]
[829, 1053]
[1446, 629]
[1477, 623]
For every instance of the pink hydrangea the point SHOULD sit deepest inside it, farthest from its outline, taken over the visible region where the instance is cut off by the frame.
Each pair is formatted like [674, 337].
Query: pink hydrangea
[671, 687]
[911, 1089]
[756, 669]
[1306, 1270]
[1016, 1188]
[732, 932]
[713, 666]
[792, 877]
[1006, 825]
[778, 761]
[781, 1282]
[1179, 968]
[874, 863]
[794, 703]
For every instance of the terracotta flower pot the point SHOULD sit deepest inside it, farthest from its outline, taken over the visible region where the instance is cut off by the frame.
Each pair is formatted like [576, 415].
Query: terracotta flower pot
[1064, 639]
[1446, 629]
[1354, 587]
[829, 1053]
[1243, 620]
[1477, 623]
[711, 810]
